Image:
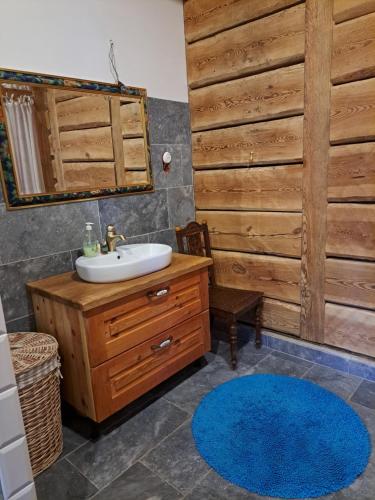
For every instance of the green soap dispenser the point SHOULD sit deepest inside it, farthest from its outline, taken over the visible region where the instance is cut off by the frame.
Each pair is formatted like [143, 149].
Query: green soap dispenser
[90, 243]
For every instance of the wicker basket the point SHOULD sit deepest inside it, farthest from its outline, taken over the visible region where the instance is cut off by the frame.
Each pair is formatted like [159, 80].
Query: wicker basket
[37, 368]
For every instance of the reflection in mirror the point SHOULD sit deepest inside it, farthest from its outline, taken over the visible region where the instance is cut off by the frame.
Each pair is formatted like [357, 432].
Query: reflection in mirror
[134, 145]
[21, 116]
[73, 140]
[133, 141]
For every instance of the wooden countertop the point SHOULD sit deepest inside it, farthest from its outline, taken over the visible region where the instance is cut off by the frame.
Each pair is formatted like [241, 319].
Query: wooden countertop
[70, 289]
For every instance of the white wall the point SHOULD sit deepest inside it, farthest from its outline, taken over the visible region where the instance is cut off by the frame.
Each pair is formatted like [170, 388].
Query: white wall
[71, 38]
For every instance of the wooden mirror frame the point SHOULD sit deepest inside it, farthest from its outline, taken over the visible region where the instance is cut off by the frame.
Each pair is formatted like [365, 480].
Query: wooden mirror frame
[13, 199]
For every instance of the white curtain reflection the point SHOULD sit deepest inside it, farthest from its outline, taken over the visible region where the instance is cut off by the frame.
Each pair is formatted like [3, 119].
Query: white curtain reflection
[24, 141]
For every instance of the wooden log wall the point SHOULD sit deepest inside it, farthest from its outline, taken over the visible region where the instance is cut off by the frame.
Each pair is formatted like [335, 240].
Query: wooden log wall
[282, 106]
[350, 242]
[246, 75]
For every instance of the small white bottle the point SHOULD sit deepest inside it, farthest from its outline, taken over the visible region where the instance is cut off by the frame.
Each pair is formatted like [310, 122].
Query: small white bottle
[90, 243]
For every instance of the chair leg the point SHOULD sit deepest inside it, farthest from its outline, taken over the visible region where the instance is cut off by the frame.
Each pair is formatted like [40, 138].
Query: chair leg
[258, 313]
[233, 344]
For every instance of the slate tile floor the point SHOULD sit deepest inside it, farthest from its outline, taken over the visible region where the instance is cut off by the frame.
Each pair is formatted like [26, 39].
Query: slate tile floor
[151, 456]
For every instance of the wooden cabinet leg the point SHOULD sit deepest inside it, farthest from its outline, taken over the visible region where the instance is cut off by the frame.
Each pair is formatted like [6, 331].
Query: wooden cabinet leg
[212, 321]
[233, 344]
[258, 314]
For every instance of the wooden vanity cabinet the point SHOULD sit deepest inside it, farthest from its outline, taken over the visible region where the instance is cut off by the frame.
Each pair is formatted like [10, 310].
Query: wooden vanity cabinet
[119, 340]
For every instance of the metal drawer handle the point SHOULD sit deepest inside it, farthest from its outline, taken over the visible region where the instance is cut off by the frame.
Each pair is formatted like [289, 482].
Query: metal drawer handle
[158, 293]
[163, 345]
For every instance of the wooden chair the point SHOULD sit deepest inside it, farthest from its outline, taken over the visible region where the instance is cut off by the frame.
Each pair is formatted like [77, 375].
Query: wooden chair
[228, 304]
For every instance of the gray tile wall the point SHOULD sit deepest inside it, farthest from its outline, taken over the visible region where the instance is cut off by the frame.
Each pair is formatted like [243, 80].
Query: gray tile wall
[39, 242]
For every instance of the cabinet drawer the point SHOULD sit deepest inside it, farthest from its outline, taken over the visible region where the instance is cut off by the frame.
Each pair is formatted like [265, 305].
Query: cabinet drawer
[129, 375]
[140, 317]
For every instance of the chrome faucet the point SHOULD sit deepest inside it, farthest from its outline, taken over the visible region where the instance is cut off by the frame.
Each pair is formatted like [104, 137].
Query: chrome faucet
[111, 238]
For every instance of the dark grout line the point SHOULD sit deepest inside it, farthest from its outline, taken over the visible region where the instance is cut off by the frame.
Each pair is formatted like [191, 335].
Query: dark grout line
[162, 479]
[34, 258]
[164, 439]
[306, 371]
[198, 483]
[80, 472]
[138, 460]
[309, 369]
[176, 405]
[74, 450]
[296, 357]
[349, 398]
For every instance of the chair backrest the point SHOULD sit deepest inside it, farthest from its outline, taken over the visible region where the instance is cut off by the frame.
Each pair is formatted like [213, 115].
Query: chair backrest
[194, 239]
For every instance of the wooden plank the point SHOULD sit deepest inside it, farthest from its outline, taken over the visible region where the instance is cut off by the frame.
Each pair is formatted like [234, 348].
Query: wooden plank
[71, 290]
[350, 282]
[43, 132]
[66, 325]
[88, 111]
[351, 231]
[353, 112]
[2, 110]
[136, 177]
[351, 172]
[118, 150]
[273, 142]
[348, 9]
[93, 144]
[131, 120]
[54, 140]
[350, 328]
[89, 175]
[316, 153]
[255, 98]
[277, 277]
[281, 316]
[261, 188]
[135, 154]
[353, 54]
[65, 95]
[259, 232]
[267, 43]
[208, 17]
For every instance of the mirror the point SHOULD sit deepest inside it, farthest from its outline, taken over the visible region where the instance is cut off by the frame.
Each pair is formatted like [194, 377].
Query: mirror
[59, 143]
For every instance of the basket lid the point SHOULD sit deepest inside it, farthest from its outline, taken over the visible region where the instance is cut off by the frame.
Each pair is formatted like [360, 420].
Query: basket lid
[30, 350]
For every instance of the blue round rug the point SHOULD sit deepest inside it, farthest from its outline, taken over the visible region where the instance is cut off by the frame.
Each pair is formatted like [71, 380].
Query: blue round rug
[281, 436]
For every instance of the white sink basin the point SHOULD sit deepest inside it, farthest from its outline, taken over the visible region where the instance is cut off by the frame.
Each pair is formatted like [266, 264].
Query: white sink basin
[129, 261]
